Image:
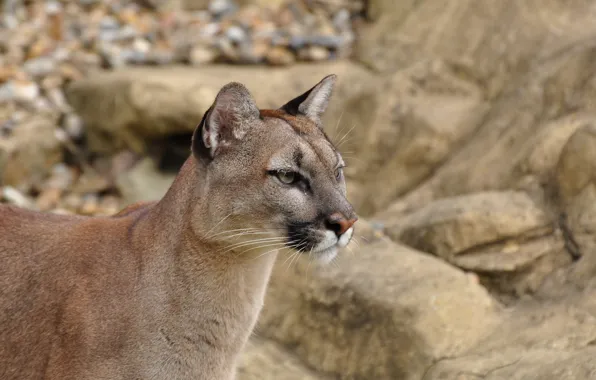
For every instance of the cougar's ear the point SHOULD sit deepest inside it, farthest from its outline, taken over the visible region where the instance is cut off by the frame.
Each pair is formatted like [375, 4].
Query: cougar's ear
[227, 121]
[313, 102]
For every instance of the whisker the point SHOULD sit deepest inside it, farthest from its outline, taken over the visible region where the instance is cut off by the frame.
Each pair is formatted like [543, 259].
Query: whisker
[309, 261]
[287, 258]
[339, 120]
[344, 136]
[233, 230]
[297, 258]
[351, 251]
[265, 253]
[277, 245]
[247, 233]
[335, 263]
[218, 223]
[245, 229]
[252, 242]
[295, 253]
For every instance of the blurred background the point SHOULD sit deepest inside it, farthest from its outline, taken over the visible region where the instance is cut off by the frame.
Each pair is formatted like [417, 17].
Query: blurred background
[469, 131]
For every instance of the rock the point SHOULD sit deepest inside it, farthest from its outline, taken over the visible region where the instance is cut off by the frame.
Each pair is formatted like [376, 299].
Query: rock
[57, 99]
[195, 5]
[13, 196]
[90, 182]
[536, 341]
[513, 269]
[386, 312]
[576, 184]
[261, 3]
[409, 123]
[279, 56]
[24, 90]
[528, 122]
[39, 67]
[451, 226]
[49, 198]
[32, 150]
[73, 125]
[72, 202]
[538, 364]
[128, 108]
[62, 177]
[236, 34]
[576, 178]
[109, 205]
[143, 182]
[314, 53]
[477, 32]
[220, 8]
[201, 55]
[266, 360]
[90, 205]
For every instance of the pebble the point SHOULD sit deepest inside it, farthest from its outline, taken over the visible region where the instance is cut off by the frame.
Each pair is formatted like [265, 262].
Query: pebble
[90, 205]
[49, 199]
[57, 98]
[236, 34]
[13, 196]
[73, 125]
[314, 53]
[220, 8]
[26, 91]
[200, 55]
[280, 56]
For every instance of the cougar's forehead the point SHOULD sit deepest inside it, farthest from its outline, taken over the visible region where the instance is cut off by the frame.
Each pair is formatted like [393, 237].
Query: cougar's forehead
[305, 144]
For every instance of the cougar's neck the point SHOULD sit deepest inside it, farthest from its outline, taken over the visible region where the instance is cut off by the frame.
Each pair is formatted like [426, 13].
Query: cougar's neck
[168, 230]
[205, 283]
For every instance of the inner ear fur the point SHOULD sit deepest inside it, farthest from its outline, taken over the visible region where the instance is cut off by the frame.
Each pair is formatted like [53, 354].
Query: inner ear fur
[313, 102]
[227, 120]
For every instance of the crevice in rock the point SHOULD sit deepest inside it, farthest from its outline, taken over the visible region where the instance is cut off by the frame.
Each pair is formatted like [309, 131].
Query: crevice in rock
[571, 245]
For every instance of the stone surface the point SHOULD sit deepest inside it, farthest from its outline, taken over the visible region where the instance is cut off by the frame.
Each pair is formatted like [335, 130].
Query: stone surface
[29, 153]
[128, 108]
[408, 124]
[386, 312]
[576, 184]
[488, 40]
[143, 182]
[266, 360]
[535, 341]
[451, 226]
[517, 267]
[528, 123]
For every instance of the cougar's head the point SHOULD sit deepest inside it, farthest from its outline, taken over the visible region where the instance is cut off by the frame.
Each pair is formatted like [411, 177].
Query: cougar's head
[273, 178]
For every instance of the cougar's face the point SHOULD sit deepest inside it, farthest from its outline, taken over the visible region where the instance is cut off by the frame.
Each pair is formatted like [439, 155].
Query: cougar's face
[305, 185]
[276, 174]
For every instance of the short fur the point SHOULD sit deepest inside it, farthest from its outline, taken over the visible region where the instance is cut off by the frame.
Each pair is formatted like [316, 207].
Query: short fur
[172, 289]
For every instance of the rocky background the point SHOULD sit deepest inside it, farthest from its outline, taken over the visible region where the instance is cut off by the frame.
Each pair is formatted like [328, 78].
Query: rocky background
[469, 129]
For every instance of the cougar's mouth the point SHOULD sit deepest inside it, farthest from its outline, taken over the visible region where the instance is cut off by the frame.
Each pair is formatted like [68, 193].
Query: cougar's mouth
[322, 243]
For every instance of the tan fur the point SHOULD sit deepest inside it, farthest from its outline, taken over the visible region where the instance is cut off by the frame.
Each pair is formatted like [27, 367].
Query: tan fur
[162, 290]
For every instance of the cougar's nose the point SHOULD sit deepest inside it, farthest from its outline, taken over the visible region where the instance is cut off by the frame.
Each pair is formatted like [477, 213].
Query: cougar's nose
[339, 224]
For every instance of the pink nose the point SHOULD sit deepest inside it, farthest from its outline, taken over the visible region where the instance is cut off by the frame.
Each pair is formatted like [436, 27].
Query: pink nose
[338, 223]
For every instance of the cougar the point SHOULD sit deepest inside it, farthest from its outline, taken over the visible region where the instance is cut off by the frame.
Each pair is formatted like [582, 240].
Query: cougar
[172, 289]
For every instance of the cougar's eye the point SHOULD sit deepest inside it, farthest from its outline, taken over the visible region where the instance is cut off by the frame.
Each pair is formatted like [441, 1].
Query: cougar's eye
[287, 177]
[338, 174]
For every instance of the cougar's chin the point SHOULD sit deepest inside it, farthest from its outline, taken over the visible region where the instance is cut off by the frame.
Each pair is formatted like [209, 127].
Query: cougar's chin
[320, 245]
[326, 255]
